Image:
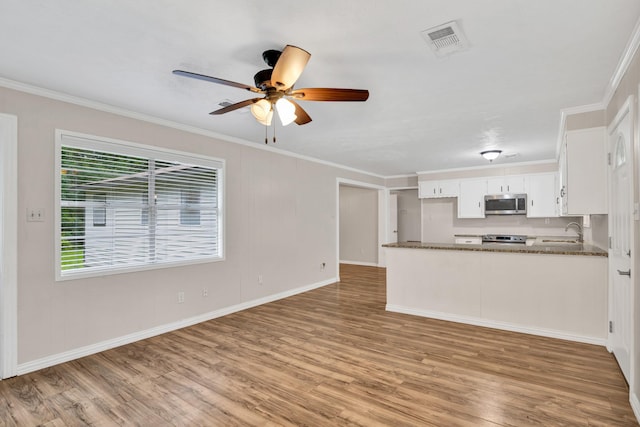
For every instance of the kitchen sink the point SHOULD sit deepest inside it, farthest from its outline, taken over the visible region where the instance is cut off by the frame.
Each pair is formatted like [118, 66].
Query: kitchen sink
[559, 241]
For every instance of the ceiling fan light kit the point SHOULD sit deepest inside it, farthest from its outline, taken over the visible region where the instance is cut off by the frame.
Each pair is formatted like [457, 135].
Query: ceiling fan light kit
[276, 84]
[262, 111]
[286, 111]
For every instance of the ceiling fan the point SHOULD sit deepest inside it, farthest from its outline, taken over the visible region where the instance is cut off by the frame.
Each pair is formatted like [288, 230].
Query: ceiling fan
[276, 84]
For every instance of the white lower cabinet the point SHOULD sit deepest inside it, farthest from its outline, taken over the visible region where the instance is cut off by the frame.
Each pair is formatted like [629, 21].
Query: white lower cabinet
[471, 199]
[541, 195]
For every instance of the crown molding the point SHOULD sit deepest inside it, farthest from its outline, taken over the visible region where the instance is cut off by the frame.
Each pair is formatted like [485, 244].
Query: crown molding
[490, 166]
[571, 111]
[83, 102]
[408, 175]
[623, 64]
[619, 72]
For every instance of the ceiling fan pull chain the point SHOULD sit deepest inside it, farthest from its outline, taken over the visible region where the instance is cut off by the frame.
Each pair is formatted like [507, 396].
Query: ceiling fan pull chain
[274, 133]
[266, 136]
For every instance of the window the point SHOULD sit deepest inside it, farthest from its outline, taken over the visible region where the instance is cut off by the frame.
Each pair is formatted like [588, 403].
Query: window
[99, 210]
[149, 207]
[190, 213]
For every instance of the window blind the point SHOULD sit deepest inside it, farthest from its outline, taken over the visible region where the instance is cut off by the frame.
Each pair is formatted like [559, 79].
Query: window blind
[122, 207]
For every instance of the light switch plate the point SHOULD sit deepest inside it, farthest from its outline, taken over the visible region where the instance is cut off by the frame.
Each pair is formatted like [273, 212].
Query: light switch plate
[35, 214]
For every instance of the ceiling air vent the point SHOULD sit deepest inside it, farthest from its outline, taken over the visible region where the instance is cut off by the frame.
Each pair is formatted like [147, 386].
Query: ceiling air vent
[226, 102]
[445, 39]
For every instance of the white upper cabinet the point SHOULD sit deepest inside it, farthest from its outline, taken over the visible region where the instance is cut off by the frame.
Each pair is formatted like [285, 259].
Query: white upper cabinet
[506, 184]
[541, 195]
[583, 172]
[471, 200]
[434, 189]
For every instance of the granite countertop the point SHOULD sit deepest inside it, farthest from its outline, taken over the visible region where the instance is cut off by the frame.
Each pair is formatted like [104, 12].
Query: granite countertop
[555, 249]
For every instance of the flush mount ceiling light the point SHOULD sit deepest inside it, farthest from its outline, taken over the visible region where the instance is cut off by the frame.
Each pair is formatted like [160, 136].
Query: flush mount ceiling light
[491, 154]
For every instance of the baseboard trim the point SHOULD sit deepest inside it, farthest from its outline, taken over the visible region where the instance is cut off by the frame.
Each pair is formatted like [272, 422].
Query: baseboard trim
[45, 362]
[635, 405]
[366, 264]
[497, 325]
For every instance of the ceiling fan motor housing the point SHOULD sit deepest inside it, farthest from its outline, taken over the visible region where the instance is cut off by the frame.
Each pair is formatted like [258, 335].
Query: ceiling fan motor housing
[262, 78]
[271, 57]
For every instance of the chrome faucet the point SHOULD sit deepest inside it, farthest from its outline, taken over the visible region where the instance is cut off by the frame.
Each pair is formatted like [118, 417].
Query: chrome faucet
[578, 228]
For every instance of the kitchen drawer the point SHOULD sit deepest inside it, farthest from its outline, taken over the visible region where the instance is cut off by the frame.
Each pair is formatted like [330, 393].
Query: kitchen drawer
[469, 240]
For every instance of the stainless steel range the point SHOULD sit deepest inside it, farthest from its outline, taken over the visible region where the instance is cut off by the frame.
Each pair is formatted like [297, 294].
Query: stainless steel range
[504, 238]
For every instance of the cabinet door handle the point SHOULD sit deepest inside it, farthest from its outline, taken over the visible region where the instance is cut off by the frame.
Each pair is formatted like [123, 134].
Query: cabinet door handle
[557, 200]
[531, 202]
[625, 273]
[508, 188]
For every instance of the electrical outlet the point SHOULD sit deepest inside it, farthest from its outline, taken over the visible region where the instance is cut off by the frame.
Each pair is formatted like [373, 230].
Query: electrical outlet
[205, 292]
[180, 297]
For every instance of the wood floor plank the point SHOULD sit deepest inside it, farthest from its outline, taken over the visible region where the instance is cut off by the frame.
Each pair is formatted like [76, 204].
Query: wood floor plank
[331, 356]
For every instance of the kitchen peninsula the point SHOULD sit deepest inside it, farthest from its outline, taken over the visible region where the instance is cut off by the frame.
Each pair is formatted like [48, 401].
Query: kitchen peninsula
[552, 290]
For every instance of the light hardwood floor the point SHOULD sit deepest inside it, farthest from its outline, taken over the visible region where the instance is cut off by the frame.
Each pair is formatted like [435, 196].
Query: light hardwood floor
[328, 357]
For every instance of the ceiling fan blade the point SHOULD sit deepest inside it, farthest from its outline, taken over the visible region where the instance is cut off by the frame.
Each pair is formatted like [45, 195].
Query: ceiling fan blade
[235, 106]
[289, 67]
[216, 80]
[302, 118]
[329, 94]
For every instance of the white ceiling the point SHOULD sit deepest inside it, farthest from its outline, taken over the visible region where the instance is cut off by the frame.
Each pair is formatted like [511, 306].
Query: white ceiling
[528, 60]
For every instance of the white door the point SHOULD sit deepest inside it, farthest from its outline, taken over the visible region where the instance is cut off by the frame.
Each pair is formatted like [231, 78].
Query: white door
[8, 245]
[620, 228]
[393, 219]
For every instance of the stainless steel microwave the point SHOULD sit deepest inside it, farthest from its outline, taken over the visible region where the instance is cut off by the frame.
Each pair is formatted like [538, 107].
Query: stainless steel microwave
[505, 204]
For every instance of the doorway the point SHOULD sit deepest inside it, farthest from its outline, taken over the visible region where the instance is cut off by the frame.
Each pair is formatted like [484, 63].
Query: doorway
[376, 229]
[358, 225]
[408, 215]
[8, 245]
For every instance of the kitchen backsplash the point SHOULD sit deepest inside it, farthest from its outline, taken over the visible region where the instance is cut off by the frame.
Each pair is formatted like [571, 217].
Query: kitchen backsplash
[440, 223]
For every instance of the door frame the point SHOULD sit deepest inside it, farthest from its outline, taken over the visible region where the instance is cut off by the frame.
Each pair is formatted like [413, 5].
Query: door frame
[8, 246]
[383, 205]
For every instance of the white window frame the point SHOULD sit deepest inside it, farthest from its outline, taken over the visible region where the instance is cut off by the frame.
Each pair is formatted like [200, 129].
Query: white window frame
[80, 140]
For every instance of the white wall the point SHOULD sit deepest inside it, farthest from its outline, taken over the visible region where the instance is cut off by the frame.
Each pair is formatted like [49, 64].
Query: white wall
[358, 225]
[280, 224]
